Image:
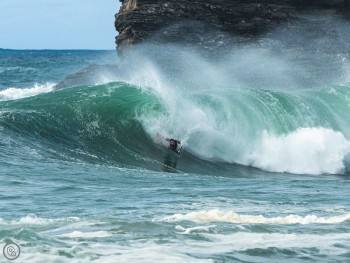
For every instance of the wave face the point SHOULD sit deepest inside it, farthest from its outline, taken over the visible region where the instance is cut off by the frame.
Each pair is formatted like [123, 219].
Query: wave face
[304, 131]
[88, 123]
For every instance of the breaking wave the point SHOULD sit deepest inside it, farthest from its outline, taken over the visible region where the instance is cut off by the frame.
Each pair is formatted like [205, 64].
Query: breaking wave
[117, 123]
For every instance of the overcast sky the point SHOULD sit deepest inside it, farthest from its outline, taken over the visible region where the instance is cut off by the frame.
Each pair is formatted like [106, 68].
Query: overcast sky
[58, 24]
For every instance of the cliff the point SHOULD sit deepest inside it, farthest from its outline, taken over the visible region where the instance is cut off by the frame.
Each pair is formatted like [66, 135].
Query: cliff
[214, 22]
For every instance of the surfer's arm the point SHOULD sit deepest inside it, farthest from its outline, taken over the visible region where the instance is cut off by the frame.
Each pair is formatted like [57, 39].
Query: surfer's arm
[160, 139]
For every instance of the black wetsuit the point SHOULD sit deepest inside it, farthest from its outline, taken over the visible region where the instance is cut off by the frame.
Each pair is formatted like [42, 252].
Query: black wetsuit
[174, 146]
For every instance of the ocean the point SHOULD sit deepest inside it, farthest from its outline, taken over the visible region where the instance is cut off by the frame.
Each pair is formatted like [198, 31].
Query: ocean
[263, 175]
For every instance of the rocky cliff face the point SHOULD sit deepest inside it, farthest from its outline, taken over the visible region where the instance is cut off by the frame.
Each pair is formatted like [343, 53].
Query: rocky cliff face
[214, 23]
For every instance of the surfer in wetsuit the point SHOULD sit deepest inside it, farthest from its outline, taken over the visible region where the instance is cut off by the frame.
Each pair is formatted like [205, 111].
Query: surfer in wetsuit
[174, 145]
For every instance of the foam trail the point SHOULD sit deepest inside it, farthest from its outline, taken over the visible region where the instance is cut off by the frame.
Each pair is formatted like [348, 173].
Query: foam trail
[306, 150]
[79, 234]
[216, 215]
[15, 93]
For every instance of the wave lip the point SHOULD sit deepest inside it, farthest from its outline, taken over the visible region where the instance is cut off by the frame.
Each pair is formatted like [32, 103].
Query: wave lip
[215, 215]
[16, 93]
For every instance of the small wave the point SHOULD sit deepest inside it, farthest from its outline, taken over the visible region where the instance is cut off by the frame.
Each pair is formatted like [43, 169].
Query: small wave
[16, 93]
[196, 229]
[20, 69]
[216, 215]
[34, 220]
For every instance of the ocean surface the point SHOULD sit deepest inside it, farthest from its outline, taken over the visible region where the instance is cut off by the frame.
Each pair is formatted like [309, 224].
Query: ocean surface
[263, 175]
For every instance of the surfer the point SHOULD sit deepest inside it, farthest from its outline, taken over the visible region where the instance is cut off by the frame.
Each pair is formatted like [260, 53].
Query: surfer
[174, 145]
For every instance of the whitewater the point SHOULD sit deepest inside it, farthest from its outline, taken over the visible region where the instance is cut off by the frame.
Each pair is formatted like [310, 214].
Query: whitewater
[263, 175]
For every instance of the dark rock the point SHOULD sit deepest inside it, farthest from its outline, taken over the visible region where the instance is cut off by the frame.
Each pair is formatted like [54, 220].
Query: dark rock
[216, 23]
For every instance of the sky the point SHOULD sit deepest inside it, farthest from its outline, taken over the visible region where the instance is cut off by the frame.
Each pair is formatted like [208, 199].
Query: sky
[58, 24]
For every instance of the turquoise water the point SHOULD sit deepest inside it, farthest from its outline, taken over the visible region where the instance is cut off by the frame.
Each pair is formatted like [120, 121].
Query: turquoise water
[263, 176]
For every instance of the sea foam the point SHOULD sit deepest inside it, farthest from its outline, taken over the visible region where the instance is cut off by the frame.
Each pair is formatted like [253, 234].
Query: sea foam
[94, 234]
[306, 150]
[18, 93]
[217, 215]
